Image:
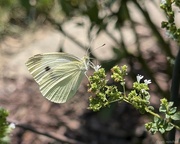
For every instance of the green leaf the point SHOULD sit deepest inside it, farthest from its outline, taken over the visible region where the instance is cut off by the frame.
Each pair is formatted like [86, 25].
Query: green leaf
[169, 127]
[162, 130]
[162, 108]
[167, 116]
[172, 110]
[156, 119]
[176, 116]
[170, 104]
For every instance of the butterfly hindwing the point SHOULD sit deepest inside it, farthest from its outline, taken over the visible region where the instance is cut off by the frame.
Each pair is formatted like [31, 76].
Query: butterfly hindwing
[62, 83]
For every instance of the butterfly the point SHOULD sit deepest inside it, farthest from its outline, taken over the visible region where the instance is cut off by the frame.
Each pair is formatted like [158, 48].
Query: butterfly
[58, 74]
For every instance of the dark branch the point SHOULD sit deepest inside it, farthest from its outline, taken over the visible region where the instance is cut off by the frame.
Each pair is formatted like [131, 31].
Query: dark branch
[175, 90]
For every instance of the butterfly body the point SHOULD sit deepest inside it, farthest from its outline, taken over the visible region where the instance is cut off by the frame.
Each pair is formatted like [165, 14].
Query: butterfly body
[58, 74]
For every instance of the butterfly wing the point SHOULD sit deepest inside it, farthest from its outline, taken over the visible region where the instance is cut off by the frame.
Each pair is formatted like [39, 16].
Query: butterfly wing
[40, 64]
[63, 83]
[58, 75]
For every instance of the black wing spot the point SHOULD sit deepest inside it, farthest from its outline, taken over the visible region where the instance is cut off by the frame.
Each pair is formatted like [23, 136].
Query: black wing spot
[47, 68]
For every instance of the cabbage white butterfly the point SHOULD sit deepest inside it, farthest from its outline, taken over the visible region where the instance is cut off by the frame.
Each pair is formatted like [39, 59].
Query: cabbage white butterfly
[58, 74]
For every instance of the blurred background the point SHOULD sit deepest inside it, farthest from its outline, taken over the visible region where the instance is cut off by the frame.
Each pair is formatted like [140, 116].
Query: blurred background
[132, 34]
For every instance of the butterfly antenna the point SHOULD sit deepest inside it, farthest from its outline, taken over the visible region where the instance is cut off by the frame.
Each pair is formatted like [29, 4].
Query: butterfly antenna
[95, 67]
[100, 46]
[94, 49]
[88, 49]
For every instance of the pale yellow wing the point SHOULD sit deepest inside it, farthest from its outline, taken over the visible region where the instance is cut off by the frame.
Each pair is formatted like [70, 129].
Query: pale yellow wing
[58, 74]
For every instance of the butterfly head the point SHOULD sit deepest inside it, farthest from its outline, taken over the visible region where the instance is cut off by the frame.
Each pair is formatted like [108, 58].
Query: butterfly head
[88, 63]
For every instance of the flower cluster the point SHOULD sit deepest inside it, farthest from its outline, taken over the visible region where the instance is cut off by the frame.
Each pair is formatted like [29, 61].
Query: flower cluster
[5, 128]
[139, 97]
[105, 94]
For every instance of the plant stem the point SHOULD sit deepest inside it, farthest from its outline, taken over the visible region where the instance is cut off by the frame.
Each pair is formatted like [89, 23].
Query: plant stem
[151, 112]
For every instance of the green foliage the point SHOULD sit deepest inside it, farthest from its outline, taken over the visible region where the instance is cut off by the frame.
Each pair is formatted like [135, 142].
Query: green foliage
[177, 2]
[159, 125]
[6, 3]
[138, 97]
[44, 6]
[3, 123]
[163, 124]
[170, 25]
[169, 111]
[5, 128]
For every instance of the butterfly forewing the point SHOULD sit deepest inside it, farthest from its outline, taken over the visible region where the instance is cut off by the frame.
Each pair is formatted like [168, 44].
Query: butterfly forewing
[40, 64]
[58, 74]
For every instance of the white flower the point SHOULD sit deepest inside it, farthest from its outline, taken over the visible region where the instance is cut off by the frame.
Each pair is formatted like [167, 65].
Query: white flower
[12, 126]
[169, 34]
[147, 81]
[143, 90]
[96, 68]
[139, 77]
[163, 1]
